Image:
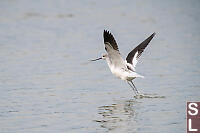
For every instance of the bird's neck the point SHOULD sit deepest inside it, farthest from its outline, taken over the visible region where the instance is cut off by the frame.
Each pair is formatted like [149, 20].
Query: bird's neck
[109, 62]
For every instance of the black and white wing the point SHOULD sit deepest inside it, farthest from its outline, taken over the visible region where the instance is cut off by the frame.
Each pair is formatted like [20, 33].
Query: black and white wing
[112, 49]
[134, 55]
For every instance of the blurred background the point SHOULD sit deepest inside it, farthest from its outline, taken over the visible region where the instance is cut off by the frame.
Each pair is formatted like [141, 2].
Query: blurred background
[47, 84]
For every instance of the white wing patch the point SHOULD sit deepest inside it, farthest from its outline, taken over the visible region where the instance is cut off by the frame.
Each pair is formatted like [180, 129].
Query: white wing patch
[134, 61]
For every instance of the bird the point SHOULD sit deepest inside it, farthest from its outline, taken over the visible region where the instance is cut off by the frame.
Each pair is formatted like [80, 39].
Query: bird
[123, 69]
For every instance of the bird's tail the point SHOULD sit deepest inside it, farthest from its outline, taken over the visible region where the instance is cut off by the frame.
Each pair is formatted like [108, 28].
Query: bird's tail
[139, 76]
[136, 75]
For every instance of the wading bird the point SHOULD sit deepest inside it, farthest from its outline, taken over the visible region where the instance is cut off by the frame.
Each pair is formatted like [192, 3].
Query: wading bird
[123, 69]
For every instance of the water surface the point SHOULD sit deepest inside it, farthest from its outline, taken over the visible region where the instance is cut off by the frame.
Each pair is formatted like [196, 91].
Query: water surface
[47, 84]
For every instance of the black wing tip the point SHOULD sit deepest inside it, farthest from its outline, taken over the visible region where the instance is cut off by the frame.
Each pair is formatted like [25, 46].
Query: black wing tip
[152, 35]
[106, 31]
[108, 37]
[149, 38]
[107, 34]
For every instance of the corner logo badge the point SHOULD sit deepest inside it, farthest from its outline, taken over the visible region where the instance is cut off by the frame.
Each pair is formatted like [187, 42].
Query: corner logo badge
[193, 117]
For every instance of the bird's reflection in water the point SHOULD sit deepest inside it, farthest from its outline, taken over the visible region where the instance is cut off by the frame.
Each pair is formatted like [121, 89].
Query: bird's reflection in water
[118, 115]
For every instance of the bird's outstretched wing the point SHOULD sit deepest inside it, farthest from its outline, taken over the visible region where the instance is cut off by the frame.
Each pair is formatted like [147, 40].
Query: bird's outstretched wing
[112, 49]
[134, 55]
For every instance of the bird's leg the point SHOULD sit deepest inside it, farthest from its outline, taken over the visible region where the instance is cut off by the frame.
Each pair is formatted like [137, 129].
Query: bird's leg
[135, 87]
[132, 87]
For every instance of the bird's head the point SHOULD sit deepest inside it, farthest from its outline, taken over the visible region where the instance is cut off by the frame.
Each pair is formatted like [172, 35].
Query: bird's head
[104, 56]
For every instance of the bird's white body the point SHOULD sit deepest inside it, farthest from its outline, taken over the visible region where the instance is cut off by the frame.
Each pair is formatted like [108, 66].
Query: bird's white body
[122, 72]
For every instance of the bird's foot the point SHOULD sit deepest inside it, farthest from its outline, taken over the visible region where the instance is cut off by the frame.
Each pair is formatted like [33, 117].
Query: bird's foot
[143, 95]
[139, 95]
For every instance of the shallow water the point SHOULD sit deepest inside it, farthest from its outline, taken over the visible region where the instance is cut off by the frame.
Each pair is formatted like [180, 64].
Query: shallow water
[48, 85]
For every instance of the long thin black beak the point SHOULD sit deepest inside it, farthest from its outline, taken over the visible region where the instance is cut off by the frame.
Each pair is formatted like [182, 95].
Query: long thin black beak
[96, 59]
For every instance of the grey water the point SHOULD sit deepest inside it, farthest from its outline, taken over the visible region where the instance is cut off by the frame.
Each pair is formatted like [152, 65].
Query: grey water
[48, 85]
